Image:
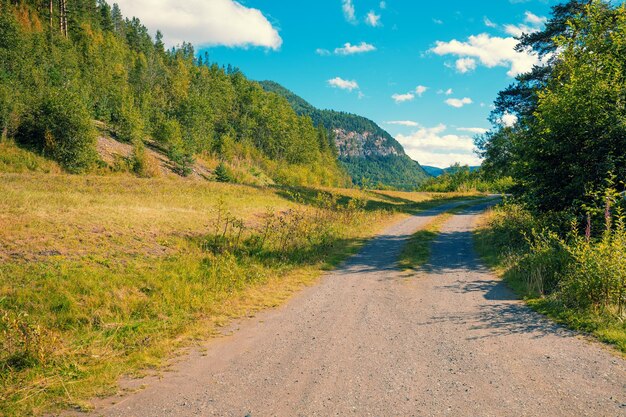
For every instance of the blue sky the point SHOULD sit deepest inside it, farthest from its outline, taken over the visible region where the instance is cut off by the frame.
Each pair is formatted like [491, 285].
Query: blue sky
[425, 71]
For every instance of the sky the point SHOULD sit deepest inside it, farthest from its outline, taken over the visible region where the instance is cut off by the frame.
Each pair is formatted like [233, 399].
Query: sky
[425, 71]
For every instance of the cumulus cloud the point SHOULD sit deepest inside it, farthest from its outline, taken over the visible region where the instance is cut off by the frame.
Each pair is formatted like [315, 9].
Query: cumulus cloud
[490, 51]
[409, 123]
[348, 10]
[342, 84]
[382, 5]
[373, 19]
[430, 146]
[420, 89]
[458, 102]
[464, 65]
[474, 130]
[401, 98]
[205, 23]
[349, 49]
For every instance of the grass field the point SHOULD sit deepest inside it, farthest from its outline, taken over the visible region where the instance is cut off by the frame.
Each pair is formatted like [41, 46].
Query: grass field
[105, 276]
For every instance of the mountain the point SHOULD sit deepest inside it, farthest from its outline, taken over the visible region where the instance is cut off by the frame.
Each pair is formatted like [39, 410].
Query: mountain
[436, 172]
[370, 154]
[433, 171]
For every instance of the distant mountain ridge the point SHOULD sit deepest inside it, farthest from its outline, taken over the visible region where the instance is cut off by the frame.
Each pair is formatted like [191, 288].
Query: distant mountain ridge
[369, 153]
[436, 172]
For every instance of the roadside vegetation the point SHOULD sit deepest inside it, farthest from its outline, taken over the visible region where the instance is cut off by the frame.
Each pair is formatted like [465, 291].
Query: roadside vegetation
[559, 134]
[459, 179]
[102, 276]
[576, 279]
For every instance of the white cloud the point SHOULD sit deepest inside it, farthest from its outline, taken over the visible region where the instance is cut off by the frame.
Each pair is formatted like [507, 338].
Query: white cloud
[464, 65]
[532, 23]
[449, 92]
[401, 98]
[382, 5]
[322, 51]
[438, 21]
[430, 146]
[458, 102]
[373, 19]
[409, 123]
[535, 20]
[205, 23]
[489, 23]
[348, 10]
[349, 49]
[508, 119]
[474, 130]
[420, 89]
[491, 51]
[340, 83]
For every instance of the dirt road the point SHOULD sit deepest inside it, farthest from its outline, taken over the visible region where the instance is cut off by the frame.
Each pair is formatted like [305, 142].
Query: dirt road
[370, 340]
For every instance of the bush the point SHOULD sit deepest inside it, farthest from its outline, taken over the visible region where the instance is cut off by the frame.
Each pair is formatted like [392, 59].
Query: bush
[60, 127]
[144, 165]
[223, 174]
[597, 276]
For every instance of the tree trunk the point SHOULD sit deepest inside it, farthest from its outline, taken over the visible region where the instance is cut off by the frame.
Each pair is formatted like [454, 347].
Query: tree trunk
[51, 10]
[63, 17]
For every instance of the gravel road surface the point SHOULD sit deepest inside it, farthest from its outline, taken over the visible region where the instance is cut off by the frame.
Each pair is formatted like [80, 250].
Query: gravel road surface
[370, 340]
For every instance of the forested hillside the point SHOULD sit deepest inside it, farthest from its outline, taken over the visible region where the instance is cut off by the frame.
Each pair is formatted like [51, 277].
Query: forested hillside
[65, 65]
[371, 156]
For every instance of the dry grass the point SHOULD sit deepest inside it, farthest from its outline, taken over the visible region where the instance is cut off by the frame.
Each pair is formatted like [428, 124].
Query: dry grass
[103, 275]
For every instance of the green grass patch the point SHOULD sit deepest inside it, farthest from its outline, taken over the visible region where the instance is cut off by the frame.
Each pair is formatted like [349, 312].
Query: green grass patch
[417, 250]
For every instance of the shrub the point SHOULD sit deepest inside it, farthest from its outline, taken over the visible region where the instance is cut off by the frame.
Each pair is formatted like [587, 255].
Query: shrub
[60, 126]
[223, 174]
[597, 276]
[144, 164]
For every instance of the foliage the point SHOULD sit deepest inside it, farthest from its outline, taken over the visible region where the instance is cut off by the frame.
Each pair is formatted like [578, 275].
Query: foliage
[393, 171]
[223, 174]
[571, 128]
[578, 280]
[462, 179]
[59, 125]
[109, 69]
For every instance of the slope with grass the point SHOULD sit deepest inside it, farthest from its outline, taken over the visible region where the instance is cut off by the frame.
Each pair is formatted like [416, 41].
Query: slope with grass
[107, 275]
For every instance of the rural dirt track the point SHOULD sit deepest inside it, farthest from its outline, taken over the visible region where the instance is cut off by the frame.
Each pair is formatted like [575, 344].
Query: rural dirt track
[371, 340]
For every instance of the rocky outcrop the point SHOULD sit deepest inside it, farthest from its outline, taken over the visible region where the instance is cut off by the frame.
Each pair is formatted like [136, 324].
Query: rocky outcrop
[362, 145]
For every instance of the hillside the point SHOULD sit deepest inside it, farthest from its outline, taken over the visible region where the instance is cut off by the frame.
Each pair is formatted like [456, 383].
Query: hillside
[67, 77]
[370, 154]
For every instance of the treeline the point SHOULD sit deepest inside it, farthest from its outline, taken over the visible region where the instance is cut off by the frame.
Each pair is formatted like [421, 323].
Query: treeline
[460, 178]
[570, 135]
[65, 64]
[564, 232]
